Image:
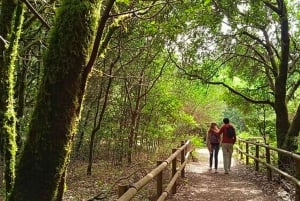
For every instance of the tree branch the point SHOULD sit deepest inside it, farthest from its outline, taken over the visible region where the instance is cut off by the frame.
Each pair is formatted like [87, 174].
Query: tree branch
[205, 81]
[292, 91]
[142, 11]
[99, 34]
[267, 47]
[35, 12]
[272, 7]
[4, 41]
[295, 125]
[265, 102]
[156, 78]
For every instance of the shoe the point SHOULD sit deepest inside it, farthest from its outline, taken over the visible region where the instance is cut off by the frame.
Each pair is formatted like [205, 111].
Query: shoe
[226, 173]
[216, 171]
[210, 169]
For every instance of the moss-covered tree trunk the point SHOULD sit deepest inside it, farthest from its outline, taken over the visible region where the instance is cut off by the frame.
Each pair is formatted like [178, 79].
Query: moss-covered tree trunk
[44, 159]
[282, 121]
[20, 89]
[10, 29]
[280, 105]
[286, 132]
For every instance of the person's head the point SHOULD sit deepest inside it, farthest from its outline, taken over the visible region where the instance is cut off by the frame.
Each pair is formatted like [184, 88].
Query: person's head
[213, 125]
[226, 121]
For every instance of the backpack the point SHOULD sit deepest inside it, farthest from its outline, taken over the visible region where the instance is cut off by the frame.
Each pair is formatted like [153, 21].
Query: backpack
[213, 138]
[230, 132]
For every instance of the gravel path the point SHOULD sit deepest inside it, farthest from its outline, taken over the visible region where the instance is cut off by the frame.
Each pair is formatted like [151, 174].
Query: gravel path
[239, 185]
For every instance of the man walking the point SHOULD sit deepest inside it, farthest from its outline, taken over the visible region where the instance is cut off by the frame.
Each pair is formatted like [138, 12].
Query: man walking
[228, 140]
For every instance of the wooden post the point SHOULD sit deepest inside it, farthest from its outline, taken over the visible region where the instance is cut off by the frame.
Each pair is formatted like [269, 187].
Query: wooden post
[182, 160]
[159, 183]
[122, 189]
[257, 156]
[174, 171]
[297, 196]
[241, 150]
[268, 160]
[247, 151]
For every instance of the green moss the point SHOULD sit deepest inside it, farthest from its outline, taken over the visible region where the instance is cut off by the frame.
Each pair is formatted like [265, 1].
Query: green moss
[56, 114]
[8, 125]
[71, 39]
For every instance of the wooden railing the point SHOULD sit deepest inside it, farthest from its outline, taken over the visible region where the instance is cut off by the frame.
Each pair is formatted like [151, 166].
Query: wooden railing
[127, 192]
[252, 150]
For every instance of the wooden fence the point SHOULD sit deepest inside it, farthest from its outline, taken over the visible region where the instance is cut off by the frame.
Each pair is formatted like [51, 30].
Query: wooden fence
[253, 150]
[127, 192]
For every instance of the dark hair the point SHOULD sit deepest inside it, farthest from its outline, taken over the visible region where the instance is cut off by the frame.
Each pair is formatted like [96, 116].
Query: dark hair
[226, 121]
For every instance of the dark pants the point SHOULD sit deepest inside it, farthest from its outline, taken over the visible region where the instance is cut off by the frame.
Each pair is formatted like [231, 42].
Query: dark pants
[214, 154]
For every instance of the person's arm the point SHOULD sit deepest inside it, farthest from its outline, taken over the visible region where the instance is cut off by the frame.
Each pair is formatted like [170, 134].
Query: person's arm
[208, 141]
[207, 138]
[220, 133]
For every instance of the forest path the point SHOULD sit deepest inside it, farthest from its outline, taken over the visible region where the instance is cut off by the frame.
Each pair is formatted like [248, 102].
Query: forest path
[239, 185]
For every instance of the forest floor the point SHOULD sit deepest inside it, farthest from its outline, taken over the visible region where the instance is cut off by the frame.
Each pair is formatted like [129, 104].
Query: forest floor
[242, 183]
[200, 184]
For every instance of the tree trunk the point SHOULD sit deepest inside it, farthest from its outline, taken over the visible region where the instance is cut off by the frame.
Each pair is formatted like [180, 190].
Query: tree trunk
[97, 125]
[135, 113]
[131, 136]
[285, 140]
[61, 187]
[293, 131]
[81, 134]
[20, 102]
[11, 22]
[282, 120]
[55, 116]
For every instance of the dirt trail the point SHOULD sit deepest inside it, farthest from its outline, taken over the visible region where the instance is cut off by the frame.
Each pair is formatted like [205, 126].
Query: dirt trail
[202, 184]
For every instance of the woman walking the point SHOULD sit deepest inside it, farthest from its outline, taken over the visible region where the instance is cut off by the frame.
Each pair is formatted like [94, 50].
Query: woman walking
[213, 144]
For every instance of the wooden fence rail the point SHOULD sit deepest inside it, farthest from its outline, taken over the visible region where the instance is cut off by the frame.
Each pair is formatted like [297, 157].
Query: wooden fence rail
[127, 192]
[266, 160]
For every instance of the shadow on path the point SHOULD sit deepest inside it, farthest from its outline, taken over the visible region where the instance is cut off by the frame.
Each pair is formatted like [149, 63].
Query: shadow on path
[202, 184]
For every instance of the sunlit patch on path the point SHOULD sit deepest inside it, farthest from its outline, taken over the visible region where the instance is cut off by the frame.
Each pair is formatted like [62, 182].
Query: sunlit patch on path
[202, 165]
